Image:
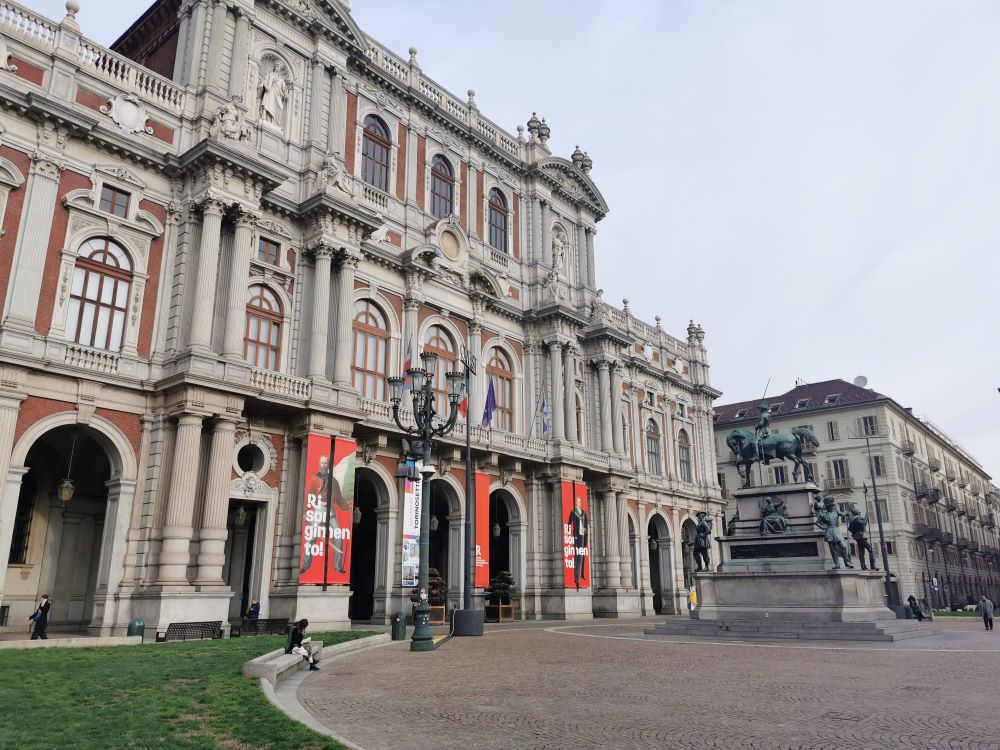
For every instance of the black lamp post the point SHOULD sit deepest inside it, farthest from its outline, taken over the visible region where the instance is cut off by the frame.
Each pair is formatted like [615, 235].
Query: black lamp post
[424, 413]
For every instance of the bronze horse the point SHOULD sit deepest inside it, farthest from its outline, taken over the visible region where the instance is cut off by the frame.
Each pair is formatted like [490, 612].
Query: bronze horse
[748, 448]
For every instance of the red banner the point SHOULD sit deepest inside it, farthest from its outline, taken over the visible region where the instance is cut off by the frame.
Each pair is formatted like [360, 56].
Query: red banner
[482, 530]
[326, 541]
[576, 535]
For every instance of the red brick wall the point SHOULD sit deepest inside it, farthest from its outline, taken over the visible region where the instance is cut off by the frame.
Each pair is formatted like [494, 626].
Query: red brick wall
[162, 132]
[401, 164]
[27, 71]
[479, 204]
[152, 292]
[50, 276]
[517, 225]
[129, 424]
[12, 218]
[421, 161]
[34, 409]
[89, 99]
[350, 141]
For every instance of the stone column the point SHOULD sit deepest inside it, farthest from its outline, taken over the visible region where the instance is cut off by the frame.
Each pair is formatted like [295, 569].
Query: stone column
[241, 46]
[555, 372]
[205, 276]
[344, 353]
[617, 438]
[215, 510]
[338, 117]
[32, 242]
[536, 230]
[612, 556]
[320, 312]
[591, 275]
[318, 87]
[9, 493]
[213, 71]
[531, 403]
[581, 255]
[546, 235]
[411, 327]
[177, 531]
[604, 386]
[478, 383]
[624, 543]
[239, 272]
[569, 394]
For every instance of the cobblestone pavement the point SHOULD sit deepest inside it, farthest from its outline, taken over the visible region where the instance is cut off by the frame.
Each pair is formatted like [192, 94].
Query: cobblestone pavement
[603, 685]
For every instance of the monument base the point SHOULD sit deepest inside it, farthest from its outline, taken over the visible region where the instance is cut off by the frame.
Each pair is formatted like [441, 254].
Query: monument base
[779, 580]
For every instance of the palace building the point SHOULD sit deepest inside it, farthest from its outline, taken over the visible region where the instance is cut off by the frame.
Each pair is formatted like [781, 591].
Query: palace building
[937, 502]
[219, 238]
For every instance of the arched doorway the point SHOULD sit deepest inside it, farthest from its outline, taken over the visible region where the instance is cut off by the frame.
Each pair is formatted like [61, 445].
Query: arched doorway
[499, 533]
[242, 525]
[364, 546]
[55, 545]
[660, 577]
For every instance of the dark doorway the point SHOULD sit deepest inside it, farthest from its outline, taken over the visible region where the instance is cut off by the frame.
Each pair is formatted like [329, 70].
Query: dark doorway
[499, 534]
[364, 540]
[438, 553]
[238, 568]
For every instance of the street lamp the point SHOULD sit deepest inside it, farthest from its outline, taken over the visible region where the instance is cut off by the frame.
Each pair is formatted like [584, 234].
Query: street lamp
[424, 413]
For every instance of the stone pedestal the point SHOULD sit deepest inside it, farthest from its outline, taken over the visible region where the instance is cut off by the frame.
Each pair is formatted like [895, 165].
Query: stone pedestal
[615, 603]
[785, 585]
[568, 604]
[325, 610]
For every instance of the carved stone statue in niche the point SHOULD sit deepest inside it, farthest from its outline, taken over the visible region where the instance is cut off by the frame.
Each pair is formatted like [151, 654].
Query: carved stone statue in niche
[332, 175]
[558, 252]
[273, 90]
[230, 124]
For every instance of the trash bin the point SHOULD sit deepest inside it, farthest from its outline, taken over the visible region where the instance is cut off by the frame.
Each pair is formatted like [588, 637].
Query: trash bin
[137, 627]
[398, 627]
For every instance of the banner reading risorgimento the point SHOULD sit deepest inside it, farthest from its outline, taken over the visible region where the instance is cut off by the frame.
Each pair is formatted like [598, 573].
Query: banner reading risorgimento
[328, 482]
[576, 535]
[482, 576]
[412, 495]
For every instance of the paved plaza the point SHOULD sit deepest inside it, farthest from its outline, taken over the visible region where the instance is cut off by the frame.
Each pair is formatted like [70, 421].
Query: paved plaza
[604, 685]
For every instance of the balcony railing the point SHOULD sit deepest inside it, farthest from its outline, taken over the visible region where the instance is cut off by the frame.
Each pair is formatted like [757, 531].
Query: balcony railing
[971, 511]
[934, 464]
[375, 197]
[933, 495]
[947, 537]
[961, 509]
[935, 534]
[92, 359]
[962, 482]
[920, 491]
[725, 493]
[949, 505]
[907, 447]
[281, 384]
[920, 530]
[991, 520]
[844, 483]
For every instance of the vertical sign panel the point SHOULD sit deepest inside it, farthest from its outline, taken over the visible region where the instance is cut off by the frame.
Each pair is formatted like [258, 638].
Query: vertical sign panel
[412, 495]
[326, 542]
[576, 535]
[482, 530]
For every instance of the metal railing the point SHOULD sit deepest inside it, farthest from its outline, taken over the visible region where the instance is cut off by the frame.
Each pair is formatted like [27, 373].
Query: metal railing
[934, 464]
[844, 483]
[907, 447]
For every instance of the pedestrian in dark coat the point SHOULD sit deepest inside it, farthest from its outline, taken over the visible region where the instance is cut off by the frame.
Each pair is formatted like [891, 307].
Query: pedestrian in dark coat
[986, 610]
[41, 619]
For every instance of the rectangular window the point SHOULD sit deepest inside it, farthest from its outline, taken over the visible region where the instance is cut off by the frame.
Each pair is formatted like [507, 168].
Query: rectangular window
[889, 548]
[681, 410]
[268, 251]
[114, 201]
[840, 469]
[870, 426]
[22, 523]
[779, 475]
[832, 431]
[879, 464]
[722, 479]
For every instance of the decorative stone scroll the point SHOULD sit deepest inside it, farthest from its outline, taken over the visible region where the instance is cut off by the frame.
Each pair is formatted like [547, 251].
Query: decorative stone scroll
[128, 113]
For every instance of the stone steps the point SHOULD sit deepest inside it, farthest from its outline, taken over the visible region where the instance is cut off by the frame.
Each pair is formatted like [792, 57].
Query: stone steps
[882, 630]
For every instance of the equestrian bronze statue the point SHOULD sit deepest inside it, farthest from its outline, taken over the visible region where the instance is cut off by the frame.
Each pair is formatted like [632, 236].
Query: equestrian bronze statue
[749, 448]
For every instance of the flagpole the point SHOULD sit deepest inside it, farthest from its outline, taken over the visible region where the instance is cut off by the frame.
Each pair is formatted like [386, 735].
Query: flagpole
[469, 363]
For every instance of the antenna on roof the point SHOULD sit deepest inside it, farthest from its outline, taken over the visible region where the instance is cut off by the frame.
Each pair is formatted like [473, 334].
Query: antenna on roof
[860, 381]
[800, 381]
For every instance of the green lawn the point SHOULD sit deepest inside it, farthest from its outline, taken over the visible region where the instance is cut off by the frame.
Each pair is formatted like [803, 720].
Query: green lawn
[166, 695]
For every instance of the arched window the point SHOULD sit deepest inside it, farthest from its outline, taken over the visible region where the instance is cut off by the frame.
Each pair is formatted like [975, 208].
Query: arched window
[501, 375]
[371, 350]
[442, 187]
[262, 342]
[654, 465]
[684, 455]
[375, 146]
[439, 341]
[98, 299]
[498, 220]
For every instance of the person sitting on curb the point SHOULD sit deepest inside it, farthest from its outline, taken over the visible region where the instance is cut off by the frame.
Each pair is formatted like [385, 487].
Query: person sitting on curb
[915, 608]
[297, 644]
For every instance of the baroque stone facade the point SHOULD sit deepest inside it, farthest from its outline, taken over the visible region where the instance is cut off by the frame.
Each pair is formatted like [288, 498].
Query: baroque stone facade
[221, 237]
[937, 502]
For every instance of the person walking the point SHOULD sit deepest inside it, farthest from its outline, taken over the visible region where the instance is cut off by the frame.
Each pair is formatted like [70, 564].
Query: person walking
[41, 619]
[986, 610]
[299, 644]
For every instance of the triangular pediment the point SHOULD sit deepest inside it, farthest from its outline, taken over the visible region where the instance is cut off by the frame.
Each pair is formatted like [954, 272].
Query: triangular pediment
[574, 183]
[332, 13]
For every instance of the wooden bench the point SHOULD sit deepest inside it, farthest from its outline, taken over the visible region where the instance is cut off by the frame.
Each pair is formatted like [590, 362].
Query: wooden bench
[272, 626]
[190, 631]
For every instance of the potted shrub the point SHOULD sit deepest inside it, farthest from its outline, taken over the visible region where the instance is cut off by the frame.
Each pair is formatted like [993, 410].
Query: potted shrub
[437, 596]
[500, 598]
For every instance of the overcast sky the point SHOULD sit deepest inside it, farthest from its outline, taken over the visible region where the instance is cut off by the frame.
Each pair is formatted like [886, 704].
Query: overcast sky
[816, 183]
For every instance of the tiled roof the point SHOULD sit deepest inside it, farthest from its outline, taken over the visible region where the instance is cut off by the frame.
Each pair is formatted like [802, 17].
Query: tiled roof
[811, 396]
